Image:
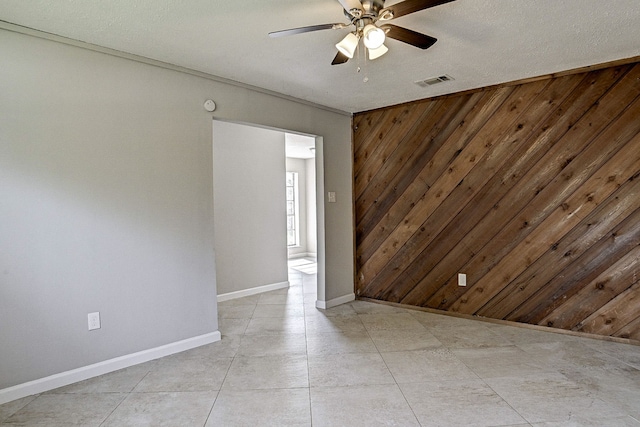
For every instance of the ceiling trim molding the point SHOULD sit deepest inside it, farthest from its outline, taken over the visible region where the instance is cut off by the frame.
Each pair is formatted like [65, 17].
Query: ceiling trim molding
[141, 59]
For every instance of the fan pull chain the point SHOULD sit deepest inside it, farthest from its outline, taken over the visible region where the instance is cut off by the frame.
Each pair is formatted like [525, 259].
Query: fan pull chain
[364, 54]
[364, 66]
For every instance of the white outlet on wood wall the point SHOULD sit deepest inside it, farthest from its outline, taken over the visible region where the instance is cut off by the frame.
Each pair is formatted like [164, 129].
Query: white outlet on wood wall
[462, 279]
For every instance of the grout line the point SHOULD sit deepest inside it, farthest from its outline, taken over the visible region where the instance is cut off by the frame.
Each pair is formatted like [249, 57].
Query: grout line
[117, 406]
[391, 373]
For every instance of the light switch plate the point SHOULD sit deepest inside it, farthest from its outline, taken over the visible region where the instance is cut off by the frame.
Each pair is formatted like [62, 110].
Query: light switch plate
[332, 196]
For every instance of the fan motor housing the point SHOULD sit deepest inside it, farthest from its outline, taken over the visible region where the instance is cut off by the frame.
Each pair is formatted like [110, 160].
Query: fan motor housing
[371, 7]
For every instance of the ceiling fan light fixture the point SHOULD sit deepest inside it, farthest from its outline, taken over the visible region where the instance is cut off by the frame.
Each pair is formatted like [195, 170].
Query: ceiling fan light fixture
[348, 45]
[373, 36]
[377, 53]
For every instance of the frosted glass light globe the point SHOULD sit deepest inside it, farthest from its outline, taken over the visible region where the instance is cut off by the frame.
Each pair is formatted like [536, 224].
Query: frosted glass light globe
[373, 36]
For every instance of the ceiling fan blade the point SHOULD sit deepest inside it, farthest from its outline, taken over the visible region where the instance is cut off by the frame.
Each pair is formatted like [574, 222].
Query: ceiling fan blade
[308, 29]
[340, 58]
[350, 5]
[409, 6]
[411, 37]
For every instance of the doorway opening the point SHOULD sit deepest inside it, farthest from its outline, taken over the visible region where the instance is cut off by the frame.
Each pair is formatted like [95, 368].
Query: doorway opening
[301, 209]
[252, 244]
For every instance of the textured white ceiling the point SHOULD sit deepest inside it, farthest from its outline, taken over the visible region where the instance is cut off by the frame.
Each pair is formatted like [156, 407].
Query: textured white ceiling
[480, 42]
[299, 146]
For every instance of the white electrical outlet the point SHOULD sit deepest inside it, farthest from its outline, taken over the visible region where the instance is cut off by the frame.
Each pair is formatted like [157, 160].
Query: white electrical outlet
[462, 279]
[94, 320]
[332, 196]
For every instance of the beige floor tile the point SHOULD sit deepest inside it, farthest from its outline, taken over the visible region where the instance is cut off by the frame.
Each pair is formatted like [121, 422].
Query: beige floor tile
[575, 420]
[233, 326]
[364, 307]
[566, 353]
[333, 370]
[628, 353]
[236, 311]
[340, 310]
[122, 381]
[10, 408]
[322, 324]
[278, 310]
[249, 300]
[391, 322]
[276, 325]
[276, 297]
[432, 320]
[309, 299]
[518, 335]
[550, 397]
[163, 409]
[459, 403]
[617, 385]
[426, 365]
[339, 342]
[399, 340]
[500, 361]
[268, 372]
[469, 336]
[271, 345]
[62, 410]
[195, 374]
[367, 406]
[226, 347]
[281, 407]
[309, 288]
[310, 307]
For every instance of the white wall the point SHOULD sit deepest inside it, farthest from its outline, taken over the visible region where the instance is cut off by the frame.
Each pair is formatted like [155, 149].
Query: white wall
[249, 207]
[300, 167]
[310, 181]
[106, 202]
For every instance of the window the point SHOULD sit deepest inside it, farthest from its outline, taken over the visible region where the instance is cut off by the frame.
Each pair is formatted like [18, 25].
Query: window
[292, 208]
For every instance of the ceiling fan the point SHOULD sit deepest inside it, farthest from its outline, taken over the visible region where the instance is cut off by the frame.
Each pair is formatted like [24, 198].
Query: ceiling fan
[366, 15]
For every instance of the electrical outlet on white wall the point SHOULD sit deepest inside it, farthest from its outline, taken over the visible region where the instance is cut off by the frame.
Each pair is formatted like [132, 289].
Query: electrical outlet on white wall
[94, 320]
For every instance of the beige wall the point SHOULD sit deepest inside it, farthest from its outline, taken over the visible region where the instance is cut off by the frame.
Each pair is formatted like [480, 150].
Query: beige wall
[249, 207]
[107, 202]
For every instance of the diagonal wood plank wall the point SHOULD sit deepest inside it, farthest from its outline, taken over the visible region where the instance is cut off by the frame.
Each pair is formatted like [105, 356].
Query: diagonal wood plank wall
[532, 190]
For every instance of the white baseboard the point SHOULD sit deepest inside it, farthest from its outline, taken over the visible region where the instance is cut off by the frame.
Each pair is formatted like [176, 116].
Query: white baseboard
[336, 301]
[69, 377]
[252, 291]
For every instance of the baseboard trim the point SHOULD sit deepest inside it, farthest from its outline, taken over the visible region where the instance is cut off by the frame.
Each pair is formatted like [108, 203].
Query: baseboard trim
[80, 374]
[252, 291]
[336, 301]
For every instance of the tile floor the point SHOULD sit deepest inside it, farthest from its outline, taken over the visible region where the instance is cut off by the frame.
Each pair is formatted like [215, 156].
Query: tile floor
[283, 362]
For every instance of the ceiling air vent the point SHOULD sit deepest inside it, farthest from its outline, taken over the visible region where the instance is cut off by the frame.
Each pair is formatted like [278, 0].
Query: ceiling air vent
[434, 81]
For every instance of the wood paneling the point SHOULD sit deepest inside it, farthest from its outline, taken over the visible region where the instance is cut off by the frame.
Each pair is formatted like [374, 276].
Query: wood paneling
[531, 189]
